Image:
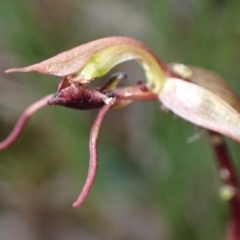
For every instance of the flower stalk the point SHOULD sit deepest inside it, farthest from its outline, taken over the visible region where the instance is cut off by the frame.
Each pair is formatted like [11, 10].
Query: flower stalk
[230, 190]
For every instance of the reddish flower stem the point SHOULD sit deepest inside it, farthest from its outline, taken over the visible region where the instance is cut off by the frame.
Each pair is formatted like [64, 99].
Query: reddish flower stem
[229, 177]
[23, 120]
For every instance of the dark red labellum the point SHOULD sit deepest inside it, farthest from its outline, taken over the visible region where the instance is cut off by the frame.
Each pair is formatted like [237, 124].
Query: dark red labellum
[78, 96]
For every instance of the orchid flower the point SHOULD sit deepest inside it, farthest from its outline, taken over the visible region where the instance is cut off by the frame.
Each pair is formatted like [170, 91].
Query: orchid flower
[197, 95]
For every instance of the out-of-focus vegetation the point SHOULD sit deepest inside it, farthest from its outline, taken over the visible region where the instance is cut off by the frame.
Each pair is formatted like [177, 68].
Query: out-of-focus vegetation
[151, 183]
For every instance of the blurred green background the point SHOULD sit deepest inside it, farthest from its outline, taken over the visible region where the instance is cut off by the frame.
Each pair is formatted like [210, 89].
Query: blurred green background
[151, 183]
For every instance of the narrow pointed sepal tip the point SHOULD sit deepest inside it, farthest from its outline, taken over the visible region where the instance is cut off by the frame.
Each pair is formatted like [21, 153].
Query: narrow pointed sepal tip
[76, 204]
[11, 70]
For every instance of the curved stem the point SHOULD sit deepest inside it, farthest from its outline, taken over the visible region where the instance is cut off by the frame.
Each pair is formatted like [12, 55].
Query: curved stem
[93, 162]
[229, 177]
[23, 120]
